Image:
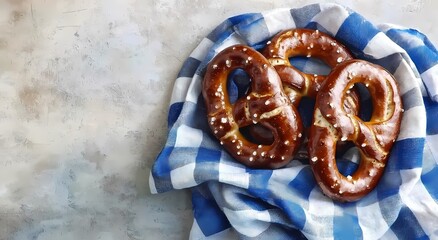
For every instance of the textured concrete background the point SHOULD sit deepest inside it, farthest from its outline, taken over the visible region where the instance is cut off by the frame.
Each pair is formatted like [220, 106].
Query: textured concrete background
[84, 88]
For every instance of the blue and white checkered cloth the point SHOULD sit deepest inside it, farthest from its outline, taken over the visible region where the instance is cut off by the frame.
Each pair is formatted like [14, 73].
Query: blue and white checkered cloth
[231, 201]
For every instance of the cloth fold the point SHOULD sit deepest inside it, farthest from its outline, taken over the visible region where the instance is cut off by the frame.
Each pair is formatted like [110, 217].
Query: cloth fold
[232, 201]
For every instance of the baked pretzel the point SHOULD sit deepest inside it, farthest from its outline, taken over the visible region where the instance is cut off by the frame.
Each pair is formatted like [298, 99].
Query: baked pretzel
[264, 104]
[303, 42]
[374, 138]
[297, 84]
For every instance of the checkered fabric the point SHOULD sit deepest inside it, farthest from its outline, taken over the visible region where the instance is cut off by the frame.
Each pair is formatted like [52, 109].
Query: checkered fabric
[231, 201]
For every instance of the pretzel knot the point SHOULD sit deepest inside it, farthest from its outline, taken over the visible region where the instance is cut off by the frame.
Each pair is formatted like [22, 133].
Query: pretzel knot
[265, 104]
[373, 138]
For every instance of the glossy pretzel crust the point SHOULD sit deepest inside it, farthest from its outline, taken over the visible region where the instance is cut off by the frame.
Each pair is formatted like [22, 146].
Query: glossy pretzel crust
[265, 104]
[374, 138]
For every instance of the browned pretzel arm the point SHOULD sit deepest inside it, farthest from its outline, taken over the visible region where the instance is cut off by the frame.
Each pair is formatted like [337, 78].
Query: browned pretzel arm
[265, 104]
[374, 138]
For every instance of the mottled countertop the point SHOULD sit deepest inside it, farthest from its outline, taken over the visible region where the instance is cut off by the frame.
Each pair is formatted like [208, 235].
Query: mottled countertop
[84, 89]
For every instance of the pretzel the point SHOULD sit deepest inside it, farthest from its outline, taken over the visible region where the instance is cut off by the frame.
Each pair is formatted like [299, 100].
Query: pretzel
[303, 42]
[297, 84]
[373, 138]
[265, 104]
